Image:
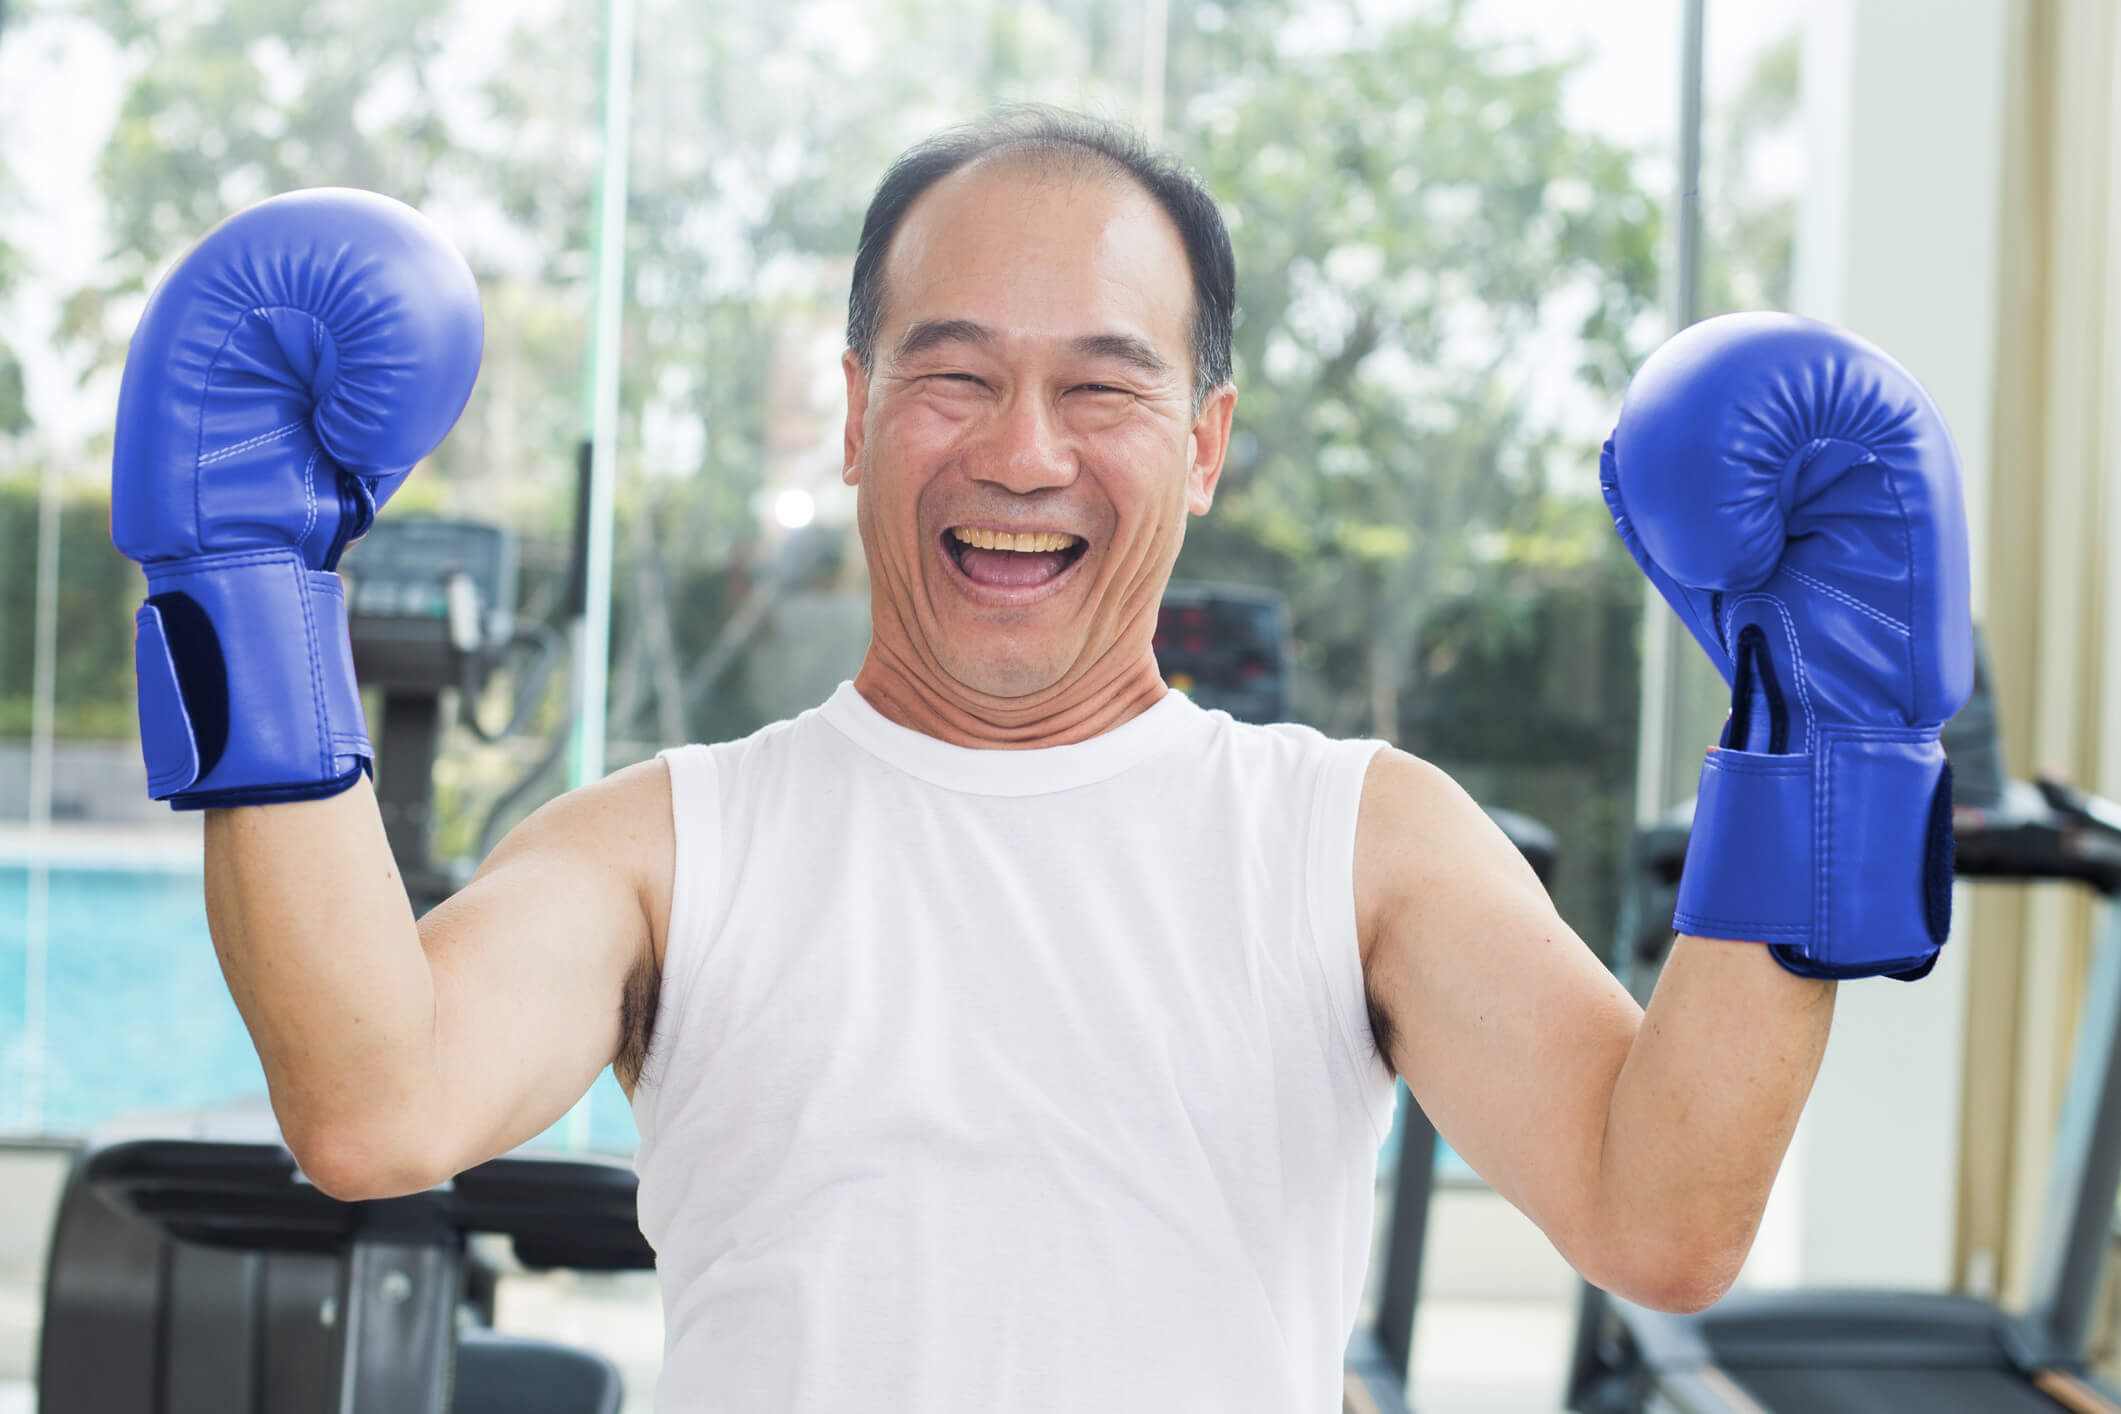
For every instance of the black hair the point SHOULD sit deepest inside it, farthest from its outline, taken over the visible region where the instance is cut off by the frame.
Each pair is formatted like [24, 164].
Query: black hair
[1036, 130]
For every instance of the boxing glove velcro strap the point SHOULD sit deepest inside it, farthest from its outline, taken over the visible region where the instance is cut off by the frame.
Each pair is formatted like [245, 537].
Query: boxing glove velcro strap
[247, 689]
[1840, 860]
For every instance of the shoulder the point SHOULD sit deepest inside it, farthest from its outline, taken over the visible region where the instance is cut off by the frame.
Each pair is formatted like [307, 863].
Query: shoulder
[644, 839]
[621, 828]
[1425, 848]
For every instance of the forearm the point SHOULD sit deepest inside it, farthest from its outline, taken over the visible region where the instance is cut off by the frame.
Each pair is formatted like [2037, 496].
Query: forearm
[317, 940]
[1705, 1104]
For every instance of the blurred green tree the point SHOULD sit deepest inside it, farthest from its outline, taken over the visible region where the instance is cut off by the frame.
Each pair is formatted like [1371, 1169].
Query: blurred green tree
[1428, 259]
[1441, 283]
[14, 402]
[1749, 210]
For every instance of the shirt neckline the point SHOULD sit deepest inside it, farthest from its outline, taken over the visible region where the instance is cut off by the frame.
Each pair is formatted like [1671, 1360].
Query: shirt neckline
[997, 771]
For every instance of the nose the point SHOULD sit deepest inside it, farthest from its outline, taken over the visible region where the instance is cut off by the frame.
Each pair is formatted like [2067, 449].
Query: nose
[1028, 450]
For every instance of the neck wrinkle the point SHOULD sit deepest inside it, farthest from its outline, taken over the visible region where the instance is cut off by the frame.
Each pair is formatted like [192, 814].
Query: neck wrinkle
[1085, 711]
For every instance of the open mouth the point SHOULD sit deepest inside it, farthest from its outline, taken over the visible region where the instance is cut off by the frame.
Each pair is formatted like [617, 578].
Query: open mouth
[1002, 559]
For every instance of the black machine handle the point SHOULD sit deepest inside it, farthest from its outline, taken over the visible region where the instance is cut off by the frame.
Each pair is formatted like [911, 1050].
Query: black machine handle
[557, 1212]
[2046, 829]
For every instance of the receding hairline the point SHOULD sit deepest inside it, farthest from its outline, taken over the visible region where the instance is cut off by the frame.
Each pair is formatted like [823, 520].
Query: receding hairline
[1044, 162]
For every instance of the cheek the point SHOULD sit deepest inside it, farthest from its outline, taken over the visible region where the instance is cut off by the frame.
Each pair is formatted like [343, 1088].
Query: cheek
[923, 425]
[904, 450]
[1149, 484]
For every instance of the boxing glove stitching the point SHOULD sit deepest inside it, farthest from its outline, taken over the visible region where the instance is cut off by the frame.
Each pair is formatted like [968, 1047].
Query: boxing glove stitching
[194, 564]
[200, 456]
[258, 441]
[1914, 644]
[309, 494]
[1797, 674]
[1850, 601]
[316, 664]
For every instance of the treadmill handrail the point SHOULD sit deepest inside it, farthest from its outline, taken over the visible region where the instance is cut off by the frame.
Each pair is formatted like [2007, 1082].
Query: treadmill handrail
[2041, 830]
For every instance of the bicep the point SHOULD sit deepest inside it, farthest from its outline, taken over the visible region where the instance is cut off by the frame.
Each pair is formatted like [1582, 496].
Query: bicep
[534, 961]
[1506, 1027]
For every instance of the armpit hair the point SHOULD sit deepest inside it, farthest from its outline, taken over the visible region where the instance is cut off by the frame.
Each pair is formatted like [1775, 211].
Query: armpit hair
[637, 1011]
[1380, 1027]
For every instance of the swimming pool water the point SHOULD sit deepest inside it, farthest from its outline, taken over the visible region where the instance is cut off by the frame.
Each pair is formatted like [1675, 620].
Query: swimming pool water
[137, 1016]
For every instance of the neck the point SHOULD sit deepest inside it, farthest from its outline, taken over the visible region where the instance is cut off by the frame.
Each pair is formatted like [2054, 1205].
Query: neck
[1066, 714]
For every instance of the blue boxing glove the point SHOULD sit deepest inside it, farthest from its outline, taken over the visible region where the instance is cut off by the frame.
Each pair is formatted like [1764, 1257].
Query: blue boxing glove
[284, 379]
[1794, 494]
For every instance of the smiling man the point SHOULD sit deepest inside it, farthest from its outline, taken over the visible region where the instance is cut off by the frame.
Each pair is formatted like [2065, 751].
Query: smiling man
[1040, 380]
[1008, 1032]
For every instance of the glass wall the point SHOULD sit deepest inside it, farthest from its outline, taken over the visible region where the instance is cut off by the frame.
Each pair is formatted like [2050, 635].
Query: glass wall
[1448, 223]
[1751, 171]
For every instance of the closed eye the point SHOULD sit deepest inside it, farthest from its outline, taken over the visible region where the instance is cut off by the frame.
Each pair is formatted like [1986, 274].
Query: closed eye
[1098, 388]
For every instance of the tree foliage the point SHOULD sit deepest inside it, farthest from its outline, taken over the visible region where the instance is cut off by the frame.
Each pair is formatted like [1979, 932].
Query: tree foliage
[1415, 227]
[1442, 289]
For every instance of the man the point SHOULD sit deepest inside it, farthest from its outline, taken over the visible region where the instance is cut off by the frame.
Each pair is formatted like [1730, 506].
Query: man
[1008, 1033]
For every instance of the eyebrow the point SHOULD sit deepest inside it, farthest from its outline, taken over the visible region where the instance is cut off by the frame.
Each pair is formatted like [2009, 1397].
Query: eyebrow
[1123, 348]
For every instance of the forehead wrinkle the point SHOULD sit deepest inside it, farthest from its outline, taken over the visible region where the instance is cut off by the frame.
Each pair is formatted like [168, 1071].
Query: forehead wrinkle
[1034, 170]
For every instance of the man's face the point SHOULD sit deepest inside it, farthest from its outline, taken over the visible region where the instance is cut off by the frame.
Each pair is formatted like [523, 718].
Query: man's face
[1025, 446]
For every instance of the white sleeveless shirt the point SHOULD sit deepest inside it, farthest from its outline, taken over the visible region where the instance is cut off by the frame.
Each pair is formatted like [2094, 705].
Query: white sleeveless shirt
[999, 1082]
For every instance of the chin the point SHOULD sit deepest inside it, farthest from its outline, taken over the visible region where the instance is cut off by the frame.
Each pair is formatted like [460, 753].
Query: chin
[992, 678]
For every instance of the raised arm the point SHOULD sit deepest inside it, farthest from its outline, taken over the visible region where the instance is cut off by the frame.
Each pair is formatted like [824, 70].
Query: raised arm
[285, 379]
[399, 1053]
[1794, 495]
[1643, 1146]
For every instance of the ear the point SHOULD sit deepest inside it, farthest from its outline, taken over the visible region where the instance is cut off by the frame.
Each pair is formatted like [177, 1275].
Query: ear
[857, 410]
[1206, 445]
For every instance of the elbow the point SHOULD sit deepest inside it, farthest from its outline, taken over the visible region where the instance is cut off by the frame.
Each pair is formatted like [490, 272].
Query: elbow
[1681, 1292]
[353, 1164]
[1679, 1279]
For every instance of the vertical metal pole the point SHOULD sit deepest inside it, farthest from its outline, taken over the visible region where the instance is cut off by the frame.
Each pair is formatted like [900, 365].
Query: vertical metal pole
[610, 259]
[1407, 1236]
[593, 633]
[43, 691]
[1667, 763]
[1156, 23]
[1686, 259]
[2076, 1233]
[1668, 760]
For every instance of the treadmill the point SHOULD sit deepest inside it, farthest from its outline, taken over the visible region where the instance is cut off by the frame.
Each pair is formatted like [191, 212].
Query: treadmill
[1883, 1352]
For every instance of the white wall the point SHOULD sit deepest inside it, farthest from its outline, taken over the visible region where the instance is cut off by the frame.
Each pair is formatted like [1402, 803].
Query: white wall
[1897, 240]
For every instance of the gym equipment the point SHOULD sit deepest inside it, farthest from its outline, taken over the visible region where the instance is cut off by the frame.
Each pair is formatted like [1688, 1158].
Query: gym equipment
[1884, 1352]
[206, 1275]
[1227, 647]
[195, 1270]
[1380, 1355]
[431, 609]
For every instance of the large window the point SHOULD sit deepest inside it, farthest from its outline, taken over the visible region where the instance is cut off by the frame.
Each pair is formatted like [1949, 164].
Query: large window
[1448, 224]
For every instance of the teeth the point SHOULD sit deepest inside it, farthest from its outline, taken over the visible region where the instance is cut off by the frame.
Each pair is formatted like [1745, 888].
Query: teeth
[1032, 542]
